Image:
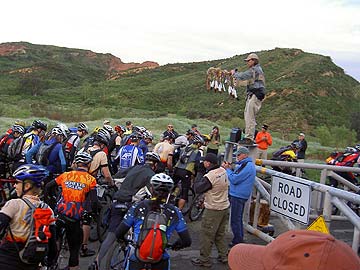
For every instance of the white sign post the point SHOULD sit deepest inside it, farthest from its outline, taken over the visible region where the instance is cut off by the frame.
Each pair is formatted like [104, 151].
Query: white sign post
[290, 198]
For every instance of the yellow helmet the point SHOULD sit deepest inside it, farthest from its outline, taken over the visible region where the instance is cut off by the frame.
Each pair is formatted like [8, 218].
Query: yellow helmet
[96, 129]
[206, 137]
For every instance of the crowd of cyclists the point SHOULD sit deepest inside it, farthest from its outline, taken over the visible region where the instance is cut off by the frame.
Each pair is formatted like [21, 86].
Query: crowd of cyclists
[62, 166]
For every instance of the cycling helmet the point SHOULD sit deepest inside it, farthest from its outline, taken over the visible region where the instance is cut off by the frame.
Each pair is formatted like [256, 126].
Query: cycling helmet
[96, 129]
[39, 124]
[83, 157]
[134, 137]
[350, 149]
[168, 135]
[206, 137]
[162, 182]
[83, 126]
[152, 156]
[35, 173]
[198, 139]
[103, 136]
[295, 145]
[109, 129]
[64, 128]
[18, 128]
[59, 131]
[119, 128]
[148, 135]
[190, 132]
[140, 129]
[357, 147]
[19, 122]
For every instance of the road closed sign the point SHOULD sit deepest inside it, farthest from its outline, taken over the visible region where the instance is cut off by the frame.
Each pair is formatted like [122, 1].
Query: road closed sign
[290, 198]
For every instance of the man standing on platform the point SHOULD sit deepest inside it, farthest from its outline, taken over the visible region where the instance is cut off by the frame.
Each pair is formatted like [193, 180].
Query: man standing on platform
[255, 93]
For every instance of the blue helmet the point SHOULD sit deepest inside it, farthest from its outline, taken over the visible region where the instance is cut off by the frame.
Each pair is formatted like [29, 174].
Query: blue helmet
[35, 173]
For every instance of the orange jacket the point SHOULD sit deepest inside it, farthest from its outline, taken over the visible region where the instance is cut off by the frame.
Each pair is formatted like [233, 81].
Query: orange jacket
[263, 140]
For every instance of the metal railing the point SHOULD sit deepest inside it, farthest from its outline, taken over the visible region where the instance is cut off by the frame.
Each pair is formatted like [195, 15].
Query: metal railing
[325, 197]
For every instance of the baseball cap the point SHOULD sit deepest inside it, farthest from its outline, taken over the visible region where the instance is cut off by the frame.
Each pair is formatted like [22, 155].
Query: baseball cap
[106, 122]
[294, 250]
[265, 126]
[251, 56]
[242, 150]
[211, 157]
[302, 134]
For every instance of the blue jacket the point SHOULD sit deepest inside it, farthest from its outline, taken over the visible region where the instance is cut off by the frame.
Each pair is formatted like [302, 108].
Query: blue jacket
[57, 161]
[241, 182]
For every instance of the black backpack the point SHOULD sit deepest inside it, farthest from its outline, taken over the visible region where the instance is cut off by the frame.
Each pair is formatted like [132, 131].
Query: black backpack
[15, 148]
[42, 155]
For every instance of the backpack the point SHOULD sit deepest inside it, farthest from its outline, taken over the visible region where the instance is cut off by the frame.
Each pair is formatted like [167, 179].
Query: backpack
[42, 155]
[15, 148]
[36, 246]
[152, 239]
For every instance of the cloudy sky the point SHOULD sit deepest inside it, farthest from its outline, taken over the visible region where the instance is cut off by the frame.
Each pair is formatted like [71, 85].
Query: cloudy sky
[169, 31]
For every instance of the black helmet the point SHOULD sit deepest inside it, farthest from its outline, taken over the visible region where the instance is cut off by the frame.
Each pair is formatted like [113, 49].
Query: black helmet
[39, 124]
[198, 139]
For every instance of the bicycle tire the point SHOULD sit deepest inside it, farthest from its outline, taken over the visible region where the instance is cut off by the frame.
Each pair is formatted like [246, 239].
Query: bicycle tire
[62, 255]
[114, 258]
[102, 228]
[196, 208]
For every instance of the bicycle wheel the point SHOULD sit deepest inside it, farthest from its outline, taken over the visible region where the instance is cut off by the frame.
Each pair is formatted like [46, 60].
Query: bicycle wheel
[114, 258]
[62, 255]
[191, 196]
[197, 207]
[101, 224]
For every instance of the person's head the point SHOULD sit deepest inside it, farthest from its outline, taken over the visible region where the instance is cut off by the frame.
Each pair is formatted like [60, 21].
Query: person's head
[215, 130]
[135, 138]
[152, 159]
[148, 137]
[301, 136]
[161, 185]
[64, 127]
[102, 138]
[29, 179]
[210, 160]
[39, 126]
[83, 129]
[59, 133]
[120, 129]
[109, 129]
[106, 122]
[198, 141]
[129, 125]
[170, 127]
[190, 134]
[242, 153]
[293, 250]
[194, 127]
[169, 136]
[252, 60]
[207, 138]
[264, 127]
[83, 160]
[18, 130]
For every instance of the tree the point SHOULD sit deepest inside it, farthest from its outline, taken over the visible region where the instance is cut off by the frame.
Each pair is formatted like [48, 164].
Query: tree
[32, 85]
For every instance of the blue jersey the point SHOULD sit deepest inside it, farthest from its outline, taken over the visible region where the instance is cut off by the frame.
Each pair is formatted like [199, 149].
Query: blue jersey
[136, 214]
[130, 155]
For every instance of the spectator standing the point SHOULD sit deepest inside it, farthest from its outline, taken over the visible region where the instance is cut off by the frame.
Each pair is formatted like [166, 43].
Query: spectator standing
[302, 146]
[263, 140]
[255, 93]
[194, 128]
[128, 127]
[213, 146]
[215, 185]
[169, 132]
[241, 179]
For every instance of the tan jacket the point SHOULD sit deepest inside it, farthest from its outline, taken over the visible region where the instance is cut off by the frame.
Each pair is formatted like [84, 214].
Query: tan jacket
[217, 197]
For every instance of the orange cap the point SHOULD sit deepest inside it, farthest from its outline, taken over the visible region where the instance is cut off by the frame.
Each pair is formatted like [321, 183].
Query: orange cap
[295, 250]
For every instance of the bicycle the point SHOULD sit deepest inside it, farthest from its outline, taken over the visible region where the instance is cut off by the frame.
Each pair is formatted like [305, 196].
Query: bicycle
[197, 207]
[175, 197]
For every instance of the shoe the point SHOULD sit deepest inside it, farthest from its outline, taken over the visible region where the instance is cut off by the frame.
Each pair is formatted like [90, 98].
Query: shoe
[198, 262]
[86, 252]
[222, 259]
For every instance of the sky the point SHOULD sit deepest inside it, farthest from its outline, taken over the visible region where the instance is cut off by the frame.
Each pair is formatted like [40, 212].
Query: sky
[167, 31]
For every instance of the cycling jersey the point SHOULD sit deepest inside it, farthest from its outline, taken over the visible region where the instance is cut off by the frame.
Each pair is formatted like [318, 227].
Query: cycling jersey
[75, 186]
[130, 155]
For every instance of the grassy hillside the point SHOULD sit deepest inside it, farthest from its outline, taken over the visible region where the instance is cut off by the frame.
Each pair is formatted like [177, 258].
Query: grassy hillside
[303, 90]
